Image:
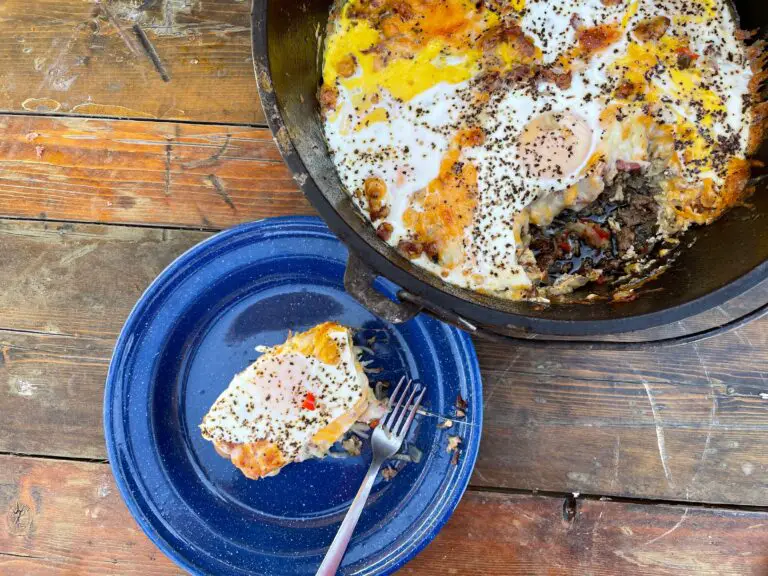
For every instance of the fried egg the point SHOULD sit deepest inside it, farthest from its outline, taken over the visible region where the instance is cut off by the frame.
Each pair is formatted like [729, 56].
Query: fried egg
[294, 402]
[455, 124]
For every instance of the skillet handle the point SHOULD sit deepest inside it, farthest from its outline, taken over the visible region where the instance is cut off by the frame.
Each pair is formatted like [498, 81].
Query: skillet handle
[359, 279]
[358, 282]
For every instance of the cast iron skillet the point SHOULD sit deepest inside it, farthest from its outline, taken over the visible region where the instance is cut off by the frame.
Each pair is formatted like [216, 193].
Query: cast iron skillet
[726, 259]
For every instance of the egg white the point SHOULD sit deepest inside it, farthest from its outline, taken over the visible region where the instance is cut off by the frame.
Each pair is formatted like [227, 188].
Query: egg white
[405, 151]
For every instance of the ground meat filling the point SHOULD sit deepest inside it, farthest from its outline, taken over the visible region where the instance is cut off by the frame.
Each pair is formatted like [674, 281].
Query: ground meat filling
[608, 242]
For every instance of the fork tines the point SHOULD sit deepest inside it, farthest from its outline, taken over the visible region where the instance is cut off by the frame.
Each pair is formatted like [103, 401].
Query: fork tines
[393, 421]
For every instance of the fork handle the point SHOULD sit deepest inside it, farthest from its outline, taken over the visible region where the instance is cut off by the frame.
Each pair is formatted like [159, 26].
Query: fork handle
[339, 545]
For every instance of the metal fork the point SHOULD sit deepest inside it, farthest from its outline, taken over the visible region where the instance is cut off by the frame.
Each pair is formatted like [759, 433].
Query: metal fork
[386, 440]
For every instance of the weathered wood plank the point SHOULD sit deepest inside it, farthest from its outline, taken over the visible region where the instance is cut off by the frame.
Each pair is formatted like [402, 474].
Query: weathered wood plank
[67, 517]
[53, 383]
[123, 171]
[82, 57]
[51, 276]
[710, 362]
[725, 464]
[685, 423]
[50, 395]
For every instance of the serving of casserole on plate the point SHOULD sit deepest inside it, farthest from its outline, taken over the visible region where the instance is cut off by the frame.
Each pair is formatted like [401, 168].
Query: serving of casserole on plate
[294, 402]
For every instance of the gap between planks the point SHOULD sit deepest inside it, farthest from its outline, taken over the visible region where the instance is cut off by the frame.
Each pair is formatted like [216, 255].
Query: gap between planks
[133, 119]
[174, 227]
[55, 458]
[578, 496]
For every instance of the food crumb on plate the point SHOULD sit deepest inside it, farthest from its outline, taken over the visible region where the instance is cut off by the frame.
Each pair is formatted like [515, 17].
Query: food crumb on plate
[388, 473]
[353, 445]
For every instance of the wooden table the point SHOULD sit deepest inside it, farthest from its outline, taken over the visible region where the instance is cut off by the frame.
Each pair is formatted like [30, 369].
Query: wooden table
[600, 463]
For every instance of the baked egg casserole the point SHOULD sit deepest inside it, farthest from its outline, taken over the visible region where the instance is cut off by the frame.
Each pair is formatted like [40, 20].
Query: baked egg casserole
[526, 148]
[294, 402]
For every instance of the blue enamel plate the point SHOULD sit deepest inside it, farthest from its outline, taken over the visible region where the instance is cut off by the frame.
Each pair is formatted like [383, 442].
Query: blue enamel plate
[194, 328]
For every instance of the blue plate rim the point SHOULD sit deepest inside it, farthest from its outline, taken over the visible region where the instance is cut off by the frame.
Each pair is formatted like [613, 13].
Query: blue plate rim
[309, 224]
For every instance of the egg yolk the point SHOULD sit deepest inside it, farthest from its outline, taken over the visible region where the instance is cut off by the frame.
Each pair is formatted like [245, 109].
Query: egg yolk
[554, 145]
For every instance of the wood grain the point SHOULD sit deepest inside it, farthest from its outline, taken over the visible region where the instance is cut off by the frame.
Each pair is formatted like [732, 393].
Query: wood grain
[508, 535]
[50, 395]
[560, 422]
[67, 518]
[81, 57]
[53, 277]
[142, 172]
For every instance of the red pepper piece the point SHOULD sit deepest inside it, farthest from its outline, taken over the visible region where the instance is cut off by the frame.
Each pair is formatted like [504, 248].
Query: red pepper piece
[309, 401]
